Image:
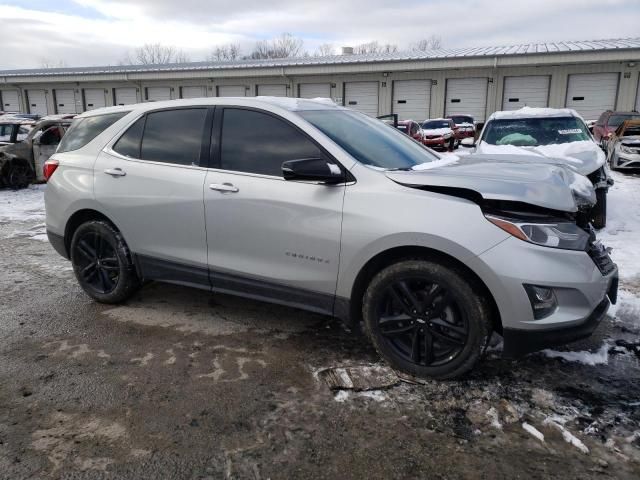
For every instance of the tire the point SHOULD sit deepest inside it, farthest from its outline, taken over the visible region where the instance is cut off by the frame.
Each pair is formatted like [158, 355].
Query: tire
[599, 211]
[454, 321]
[19, 174]
[102, 262]
[452, 144]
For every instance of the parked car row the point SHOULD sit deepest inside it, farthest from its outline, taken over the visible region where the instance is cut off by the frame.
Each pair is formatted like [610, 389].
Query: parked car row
[438, 133]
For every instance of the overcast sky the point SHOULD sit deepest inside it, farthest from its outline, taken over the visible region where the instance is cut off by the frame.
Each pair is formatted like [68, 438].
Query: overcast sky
[101, 32]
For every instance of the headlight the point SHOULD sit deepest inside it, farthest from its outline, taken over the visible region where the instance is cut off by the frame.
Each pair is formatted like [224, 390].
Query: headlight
[566, 235]
[625, 149]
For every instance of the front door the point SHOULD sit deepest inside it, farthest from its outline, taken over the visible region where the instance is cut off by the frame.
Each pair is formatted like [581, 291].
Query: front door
[270, 238]
[149, 183]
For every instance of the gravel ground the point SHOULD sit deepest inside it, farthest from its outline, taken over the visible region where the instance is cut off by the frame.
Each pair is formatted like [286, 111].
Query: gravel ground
[179, 383]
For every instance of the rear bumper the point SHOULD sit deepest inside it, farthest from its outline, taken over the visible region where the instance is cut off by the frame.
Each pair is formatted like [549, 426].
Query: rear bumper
[521, 342]
[57, 242]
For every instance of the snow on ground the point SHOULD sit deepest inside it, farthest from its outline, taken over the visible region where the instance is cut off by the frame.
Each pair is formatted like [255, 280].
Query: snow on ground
[22, 205]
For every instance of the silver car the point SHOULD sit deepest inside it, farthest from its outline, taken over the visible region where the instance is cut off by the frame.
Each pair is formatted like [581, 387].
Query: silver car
[318, 207]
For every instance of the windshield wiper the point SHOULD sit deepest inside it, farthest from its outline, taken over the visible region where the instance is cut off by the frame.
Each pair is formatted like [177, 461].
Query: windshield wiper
[399, 169]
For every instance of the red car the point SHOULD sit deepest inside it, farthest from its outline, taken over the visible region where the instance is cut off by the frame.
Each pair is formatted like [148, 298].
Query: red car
[440, 133]
[465, 125]
[607, 124]
[412, 129]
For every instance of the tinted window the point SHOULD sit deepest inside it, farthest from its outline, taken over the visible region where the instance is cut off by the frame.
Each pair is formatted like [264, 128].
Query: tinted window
[368, 140]
[83, 130]
[435, 124]
[258, 143]
[616, 120]
[174, 136]
[129, 143]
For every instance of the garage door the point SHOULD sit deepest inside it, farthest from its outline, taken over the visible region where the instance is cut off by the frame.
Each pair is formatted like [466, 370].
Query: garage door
[65, 100]
[94, 98]
[125, 96]
[467, 96]
[314, 90]
[272, 90]
[37, 102]
[10, 101]
[158, 94]
[530, 91]
[232, 91]
[411, 99]
[590, 94]
[362, 96]
[193, 92]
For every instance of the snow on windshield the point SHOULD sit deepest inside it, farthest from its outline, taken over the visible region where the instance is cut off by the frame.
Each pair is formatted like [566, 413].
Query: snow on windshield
[535, 131]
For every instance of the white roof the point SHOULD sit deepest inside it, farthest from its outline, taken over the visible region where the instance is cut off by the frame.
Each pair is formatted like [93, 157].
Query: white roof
[531, 112]
[494, 51]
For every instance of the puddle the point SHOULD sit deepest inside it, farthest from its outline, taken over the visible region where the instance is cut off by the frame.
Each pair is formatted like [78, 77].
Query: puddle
[359, 377]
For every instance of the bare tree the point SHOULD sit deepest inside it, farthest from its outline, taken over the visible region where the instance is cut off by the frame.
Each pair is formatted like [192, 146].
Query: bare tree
[375, 47]
[434, 42]
[156, 54]
[325, 50]
[49, 63]
[229, 51]
[283, 46]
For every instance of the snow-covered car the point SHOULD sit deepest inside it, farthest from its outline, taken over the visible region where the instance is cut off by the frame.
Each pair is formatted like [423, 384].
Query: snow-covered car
[27, 145]
[466, 126]
[550, 135]
[439, 133]
[623, 147]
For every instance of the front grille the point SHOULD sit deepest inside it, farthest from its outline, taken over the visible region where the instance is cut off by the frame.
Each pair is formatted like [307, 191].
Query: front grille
[601, 258]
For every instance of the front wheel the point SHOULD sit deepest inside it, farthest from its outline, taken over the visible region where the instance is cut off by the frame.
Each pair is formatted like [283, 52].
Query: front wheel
[599, 211]
[425, 319]
[102, 262]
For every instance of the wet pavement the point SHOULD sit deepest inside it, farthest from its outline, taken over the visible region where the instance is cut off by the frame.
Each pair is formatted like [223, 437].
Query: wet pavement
[180, 383]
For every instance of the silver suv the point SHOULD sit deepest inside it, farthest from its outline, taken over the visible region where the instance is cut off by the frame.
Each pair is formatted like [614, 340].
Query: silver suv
[315, 206]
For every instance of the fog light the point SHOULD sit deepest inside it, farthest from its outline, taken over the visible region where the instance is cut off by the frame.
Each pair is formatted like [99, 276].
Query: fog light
[543, 300]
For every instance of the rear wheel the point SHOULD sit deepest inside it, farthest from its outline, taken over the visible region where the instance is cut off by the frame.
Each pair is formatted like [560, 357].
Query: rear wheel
[425, 319]
[102, 262]
[18, 174]
[599, 211]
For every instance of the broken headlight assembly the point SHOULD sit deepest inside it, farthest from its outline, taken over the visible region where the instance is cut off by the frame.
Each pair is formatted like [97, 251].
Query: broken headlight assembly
[554, 234]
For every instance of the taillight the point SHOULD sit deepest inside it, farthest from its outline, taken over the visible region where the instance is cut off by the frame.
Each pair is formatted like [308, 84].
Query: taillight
[49, 167]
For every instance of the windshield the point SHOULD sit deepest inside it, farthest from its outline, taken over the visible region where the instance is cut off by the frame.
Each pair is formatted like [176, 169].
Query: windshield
[434, 124]
[368, 140]
[616, 120]
[458, 119]
[533, 132]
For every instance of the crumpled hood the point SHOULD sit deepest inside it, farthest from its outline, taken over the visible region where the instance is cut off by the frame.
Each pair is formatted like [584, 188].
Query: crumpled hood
[509, 178]
[584, 157]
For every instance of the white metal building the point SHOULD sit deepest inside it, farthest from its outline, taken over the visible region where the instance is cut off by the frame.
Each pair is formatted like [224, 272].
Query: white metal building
[589, 76]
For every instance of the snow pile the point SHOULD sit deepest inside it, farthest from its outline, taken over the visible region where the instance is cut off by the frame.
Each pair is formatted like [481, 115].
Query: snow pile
[446, 160]
[22, 205]
[587, 358]
[568, 437]
[533, 431]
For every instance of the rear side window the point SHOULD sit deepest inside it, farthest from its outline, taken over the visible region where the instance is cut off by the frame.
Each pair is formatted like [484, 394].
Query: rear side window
[129, 143]
[83, 130]
[256, 142]
[174, 136]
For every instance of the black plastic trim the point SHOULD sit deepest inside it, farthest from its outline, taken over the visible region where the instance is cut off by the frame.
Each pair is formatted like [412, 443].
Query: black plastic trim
[57, 242]
[520, 342]
[152, 268]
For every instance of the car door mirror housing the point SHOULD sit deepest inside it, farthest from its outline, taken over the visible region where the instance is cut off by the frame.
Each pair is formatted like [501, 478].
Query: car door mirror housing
[313, 170]
[468, 142]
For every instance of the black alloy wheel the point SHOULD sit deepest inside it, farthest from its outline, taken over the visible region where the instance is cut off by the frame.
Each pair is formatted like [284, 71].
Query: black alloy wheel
[421, 321]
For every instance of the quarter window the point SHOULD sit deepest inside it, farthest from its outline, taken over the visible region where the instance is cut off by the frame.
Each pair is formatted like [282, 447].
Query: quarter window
[256, 142]
[85, 129]
[129, 143]
[174, 136]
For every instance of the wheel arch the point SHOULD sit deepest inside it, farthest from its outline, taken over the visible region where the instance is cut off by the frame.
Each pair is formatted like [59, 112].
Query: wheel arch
[395, 254]
[78, 218]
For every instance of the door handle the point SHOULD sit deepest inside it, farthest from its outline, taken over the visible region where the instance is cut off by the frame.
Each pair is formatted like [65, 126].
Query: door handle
[224, 187]
[115, 172]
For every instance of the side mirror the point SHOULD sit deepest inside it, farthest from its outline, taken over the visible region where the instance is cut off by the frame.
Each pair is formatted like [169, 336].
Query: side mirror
[313, 170]
[468, 142]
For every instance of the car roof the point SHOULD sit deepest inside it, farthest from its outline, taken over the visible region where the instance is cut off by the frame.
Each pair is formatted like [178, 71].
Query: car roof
[534, 112]
[285, 103]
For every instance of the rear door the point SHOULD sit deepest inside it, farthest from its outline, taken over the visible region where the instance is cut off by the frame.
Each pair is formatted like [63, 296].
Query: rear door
[268, 237]
[150, 181]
